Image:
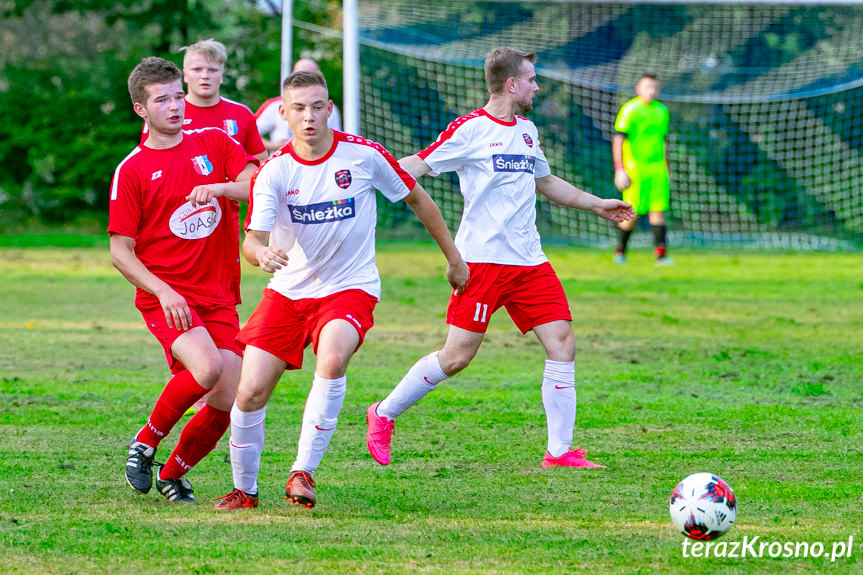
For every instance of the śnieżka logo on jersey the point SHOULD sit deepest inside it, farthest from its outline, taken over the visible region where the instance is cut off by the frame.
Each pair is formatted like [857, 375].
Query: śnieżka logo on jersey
[323, 212]
[194, 221]
[513, 163]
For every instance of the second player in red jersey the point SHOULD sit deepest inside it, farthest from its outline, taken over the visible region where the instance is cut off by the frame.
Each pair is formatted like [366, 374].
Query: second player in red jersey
[170, 238]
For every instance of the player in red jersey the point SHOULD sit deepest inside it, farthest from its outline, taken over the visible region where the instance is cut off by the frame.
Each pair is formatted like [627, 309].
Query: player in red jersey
[501, 167]
[312, 225]
[170, 236]
[203, 72]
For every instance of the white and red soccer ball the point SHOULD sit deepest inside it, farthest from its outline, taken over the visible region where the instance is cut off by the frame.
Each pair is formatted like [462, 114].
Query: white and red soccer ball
[703, 506]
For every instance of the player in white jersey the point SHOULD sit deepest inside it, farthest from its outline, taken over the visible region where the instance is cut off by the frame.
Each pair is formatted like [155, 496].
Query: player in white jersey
[312, 224]
[501, 166]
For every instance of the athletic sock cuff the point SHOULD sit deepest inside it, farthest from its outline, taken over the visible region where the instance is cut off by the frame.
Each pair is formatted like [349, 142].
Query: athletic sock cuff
[436, 373]
[563, 371]
[335, 388]
[247, 418]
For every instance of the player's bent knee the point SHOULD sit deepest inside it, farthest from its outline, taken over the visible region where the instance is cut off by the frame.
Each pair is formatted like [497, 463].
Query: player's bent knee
[333, 366]
[451, 365]
[251, 399]
[208, 375]
[561, 348]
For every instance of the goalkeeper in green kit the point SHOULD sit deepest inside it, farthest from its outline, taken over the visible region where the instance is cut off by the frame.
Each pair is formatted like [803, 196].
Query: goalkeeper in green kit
[641, 165]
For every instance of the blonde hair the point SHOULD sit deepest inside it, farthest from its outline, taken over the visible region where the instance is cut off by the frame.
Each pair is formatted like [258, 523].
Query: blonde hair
[212, 50]
[502, 63]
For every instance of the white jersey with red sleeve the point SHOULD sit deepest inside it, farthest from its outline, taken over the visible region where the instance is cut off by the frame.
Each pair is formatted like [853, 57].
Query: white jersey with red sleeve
[192, 248]
[323, 214]
[497, 164]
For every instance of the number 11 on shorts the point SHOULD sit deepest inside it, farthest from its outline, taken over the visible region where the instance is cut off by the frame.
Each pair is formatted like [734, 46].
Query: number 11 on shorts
[481, 312]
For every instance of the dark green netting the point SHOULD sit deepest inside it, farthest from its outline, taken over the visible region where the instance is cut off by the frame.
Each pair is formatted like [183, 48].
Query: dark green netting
[765, 101]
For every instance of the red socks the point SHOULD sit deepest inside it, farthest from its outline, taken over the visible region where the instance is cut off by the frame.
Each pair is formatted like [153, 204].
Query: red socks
[199, 437]
[181, 392]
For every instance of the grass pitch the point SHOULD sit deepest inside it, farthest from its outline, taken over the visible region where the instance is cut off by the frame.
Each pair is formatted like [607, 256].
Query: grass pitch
[747, 365]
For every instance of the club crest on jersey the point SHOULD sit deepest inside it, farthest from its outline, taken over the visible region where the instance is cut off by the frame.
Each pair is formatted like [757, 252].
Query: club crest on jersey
[195, 222]
[513, 163]
[343, 179]
[527, 140]
[323, 212]
[231, 127]
[202, 165]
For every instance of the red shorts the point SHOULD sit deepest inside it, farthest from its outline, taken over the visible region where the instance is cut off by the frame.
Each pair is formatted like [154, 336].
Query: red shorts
[284, 327]
[532, 296]
[221, 322]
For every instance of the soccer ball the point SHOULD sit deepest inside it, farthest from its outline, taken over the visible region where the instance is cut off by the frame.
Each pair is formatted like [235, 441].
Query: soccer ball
[703, 506]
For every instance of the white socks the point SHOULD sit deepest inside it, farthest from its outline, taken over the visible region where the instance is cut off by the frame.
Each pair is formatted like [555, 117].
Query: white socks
[319, 421]
[559, 401]
[422, 378]
[247, 442]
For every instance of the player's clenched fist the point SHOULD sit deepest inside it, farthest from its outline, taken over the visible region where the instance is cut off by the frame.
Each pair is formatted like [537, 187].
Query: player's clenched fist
[271, 259]
[458, 274]
[621, 179]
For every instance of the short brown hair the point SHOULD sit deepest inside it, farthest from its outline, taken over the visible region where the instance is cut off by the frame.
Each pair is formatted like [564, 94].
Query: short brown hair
[502, 63]
[152, 70]
[212, 50]
[304, 78]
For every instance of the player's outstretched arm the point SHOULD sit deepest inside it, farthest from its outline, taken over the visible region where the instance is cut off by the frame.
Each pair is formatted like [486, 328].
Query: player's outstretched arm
[562, 192]
[236, 190]
[427, 212]
[415, 166]
[258, 252]
[177, 312]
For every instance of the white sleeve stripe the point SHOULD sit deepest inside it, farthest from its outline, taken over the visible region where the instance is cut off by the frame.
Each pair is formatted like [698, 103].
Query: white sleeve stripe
[210, 128]
[117, 172]
[240, 104]
[448, 133]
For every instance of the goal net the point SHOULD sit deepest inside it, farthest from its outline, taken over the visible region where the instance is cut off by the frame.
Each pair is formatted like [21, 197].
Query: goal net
[766, 104]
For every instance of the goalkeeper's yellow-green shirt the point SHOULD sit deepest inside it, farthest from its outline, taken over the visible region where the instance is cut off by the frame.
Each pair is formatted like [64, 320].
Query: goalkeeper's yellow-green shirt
[645, 127]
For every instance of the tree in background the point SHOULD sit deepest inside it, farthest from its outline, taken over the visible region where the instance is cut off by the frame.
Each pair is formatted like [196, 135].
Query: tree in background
[64, 119]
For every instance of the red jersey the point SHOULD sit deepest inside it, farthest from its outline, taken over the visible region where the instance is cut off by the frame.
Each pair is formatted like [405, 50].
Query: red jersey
[234, 118]
[194, 249]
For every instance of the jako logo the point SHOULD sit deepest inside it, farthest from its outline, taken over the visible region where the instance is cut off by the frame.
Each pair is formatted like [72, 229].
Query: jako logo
[323, 212]
[194, 222]
[202, 165]
[513, 163]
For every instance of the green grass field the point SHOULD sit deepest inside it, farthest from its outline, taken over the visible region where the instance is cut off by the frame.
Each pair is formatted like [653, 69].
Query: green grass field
[747, 365]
